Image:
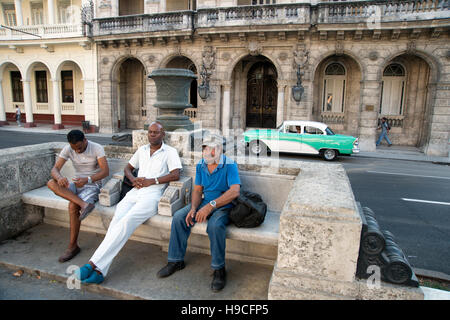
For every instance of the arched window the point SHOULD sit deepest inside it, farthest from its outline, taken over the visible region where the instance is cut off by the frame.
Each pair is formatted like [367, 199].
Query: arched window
[393, 90]
[334, 88]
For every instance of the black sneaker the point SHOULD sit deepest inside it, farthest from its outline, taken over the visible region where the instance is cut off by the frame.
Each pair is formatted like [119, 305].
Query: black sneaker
[219, 280]
[170, 269]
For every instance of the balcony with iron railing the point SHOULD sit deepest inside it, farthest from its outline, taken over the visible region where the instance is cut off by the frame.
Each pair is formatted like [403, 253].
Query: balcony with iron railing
[382, 11]
[282, 14]
[285, 15]
[168, 21]
[36, 32]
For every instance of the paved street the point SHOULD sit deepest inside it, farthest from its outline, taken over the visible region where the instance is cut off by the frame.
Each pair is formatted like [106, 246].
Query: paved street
[411, 199]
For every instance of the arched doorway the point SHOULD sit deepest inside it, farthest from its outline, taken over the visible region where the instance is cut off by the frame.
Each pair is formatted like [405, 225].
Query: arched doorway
[337, 95]
[261, 107]
[11, 92]
[404, 99]
[132, 111]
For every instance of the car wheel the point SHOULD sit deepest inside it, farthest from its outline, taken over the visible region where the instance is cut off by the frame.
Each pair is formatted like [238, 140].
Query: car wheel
[258, 148]
[329, 154]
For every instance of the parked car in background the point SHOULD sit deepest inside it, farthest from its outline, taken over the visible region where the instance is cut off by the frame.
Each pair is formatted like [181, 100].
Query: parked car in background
[303, 137]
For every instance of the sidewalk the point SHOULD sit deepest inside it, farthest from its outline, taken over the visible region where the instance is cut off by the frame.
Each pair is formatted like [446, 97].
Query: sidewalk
[382, 152]
[402, 153]
[132, 274]
[47, 128]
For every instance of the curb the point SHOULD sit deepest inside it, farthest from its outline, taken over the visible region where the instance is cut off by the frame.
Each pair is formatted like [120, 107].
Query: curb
[93, 288]
[435, 275]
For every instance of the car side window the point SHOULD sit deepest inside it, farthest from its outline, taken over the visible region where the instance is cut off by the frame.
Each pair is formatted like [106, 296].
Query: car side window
[293, 129]
[312, 130]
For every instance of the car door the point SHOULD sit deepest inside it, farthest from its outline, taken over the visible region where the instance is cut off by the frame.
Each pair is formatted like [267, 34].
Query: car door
[312, 139]
[289, 139]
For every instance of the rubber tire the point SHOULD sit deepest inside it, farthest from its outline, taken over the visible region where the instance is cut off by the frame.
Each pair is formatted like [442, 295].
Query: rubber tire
[258, 148]
[329, 154]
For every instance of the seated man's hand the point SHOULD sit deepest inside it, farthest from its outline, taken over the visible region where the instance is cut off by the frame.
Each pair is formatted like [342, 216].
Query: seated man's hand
[190, 218]
[63, 182]
[141, 182]
[203, 213]
[79, 182]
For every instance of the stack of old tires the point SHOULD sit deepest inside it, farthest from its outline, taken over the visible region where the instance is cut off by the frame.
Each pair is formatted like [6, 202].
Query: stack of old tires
[378, 248]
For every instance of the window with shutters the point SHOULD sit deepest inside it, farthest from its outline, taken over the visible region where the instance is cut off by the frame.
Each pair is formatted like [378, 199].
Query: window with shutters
[333, 98]
[16, 86]
[9, 14]
[37, 14]
[67, 86]
[41, 86]
[393, 90]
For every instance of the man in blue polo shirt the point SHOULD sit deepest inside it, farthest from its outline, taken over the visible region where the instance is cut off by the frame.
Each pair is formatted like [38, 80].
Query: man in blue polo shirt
[217, 179]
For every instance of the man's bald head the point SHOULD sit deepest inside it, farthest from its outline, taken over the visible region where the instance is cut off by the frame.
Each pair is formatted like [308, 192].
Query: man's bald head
[156, 133]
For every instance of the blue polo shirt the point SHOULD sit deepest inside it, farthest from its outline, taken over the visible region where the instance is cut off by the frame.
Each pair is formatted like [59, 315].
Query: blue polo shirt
[219, 181]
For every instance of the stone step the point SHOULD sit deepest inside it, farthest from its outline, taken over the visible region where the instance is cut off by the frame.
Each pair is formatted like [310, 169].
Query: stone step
[133, 272]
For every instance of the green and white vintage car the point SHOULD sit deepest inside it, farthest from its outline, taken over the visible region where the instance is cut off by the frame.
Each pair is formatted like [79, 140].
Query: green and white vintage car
[306, 137]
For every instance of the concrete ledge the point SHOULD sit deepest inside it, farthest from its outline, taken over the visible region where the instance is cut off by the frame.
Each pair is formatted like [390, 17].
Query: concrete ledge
[247, 244]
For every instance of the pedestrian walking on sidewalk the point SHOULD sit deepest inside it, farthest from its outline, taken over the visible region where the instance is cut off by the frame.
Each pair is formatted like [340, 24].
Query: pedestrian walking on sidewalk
[18, 115]
[384, 125]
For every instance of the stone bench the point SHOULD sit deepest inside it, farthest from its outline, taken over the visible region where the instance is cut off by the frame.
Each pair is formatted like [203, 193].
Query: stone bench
[244, 244]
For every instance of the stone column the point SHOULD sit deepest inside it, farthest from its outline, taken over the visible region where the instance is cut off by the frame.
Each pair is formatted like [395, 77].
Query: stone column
[19, 15]
[51, 11]
[2, 107]
[162, 6]
[370, 102]
[226, 111]
[368, 129]
[439, 133]
[28, 103]
[280, 102]
[114, 8]
[57, 104]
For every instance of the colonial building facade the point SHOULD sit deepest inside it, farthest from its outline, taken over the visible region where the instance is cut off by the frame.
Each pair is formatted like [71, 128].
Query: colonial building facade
[260, 62]
[47, 64]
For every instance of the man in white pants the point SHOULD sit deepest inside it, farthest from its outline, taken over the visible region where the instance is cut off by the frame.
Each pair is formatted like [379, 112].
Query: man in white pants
[158, 164]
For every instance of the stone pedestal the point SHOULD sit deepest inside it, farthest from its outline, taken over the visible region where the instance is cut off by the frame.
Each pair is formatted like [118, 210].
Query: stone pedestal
[172, 97]
[318, 246]
[182, 140]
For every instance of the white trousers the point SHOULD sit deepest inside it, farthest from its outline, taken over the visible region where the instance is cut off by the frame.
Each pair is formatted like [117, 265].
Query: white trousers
[133, 210]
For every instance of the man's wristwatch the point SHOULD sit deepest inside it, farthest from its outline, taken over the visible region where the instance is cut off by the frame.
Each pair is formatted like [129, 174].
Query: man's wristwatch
[156, 181]
[89, 180]
[213, 203]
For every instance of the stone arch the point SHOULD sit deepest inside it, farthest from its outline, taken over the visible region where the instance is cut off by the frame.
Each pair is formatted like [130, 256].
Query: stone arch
[412, 125]
[345, 92]
[163, 63]
[262, 92]
[128, 102]
[432, 62]
[62, 62]
[6, 62]
[30, 65]
[228, 74]
[315, 62]
[118, 62]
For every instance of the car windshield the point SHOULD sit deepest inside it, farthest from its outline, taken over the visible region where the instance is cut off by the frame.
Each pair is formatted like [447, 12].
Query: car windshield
[329, 132]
